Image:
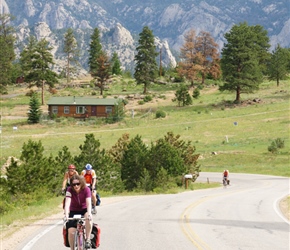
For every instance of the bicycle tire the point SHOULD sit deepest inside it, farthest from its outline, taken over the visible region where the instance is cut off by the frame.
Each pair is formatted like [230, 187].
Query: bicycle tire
[79, 241]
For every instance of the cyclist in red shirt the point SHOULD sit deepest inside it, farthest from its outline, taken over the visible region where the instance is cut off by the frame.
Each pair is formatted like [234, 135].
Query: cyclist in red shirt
[91, 180]
[226, 176]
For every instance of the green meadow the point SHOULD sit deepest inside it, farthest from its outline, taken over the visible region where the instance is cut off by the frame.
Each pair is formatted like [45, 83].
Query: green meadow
[235, 137]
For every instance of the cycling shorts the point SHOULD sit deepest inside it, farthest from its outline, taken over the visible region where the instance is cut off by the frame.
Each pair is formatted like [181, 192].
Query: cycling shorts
[73, 223]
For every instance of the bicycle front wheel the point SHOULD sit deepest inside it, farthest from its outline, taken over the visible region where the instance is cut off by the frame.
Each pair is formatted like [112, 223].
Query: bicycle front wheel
[79, 241]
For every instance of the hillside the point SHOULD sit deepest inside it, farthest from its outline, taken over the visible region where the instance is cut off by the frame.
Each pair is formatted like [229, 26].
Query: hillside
[238, 134]
[120, 22]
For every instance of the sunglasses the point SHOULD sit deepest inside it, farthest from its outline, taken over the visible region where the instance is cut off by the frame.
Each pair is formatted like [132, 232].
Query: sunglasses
[76, 184]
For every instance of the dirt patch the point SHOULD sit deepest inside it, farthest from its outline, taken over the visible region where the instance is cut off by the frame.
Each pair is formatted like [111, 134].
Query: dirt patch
[285, 207]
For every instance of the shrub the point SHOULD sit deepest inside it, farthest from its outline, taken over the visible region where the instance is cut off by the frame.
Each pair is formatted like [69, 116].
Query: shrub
[147, 98]
[160, 114]
[276, 145]
[196, 93]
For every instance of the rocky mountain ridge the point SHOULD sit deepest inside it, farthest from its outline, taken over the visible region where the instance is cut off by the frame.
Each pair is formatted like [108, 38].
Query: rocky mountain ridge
[120, 22]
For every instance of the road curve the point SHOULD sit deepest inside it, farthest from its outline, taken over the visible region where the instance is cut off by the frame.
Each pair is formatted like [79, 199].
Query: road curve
[243, 216]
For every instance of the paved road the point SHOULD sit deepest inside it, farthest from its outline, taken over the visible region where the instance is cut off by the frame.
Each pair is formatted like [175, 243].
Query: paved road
[242, 216]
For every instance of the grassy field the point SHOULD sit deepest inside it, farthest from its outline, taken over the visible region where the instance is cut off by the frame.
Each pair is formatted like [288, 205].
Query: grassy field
[239, 135]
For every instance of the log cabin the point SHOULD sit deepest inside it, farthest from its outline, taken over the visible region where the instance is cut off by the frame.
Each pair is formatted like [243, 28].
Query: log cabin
[81, 107]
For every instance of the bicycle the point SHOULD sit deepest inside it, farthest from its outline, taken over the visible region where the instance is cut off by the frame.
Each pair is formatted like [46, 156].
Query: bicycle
[79, 239]
[225, 182]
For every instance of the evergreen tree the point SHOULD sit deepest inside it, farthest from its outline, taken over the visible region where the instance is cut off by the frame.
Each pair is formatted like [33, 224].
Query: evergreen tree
[118, 113]
[37, 173]
[278, 66]
[102, 73]
[133, 162]
[94, 51]
[90, 152]
[116, 65]
[64, 158]
[244, 58]
[36, 62]
[182, 96]
[146, 66]
[70, 48]
[164, 155]
[117, 151]
[34, 112]
[7, 54]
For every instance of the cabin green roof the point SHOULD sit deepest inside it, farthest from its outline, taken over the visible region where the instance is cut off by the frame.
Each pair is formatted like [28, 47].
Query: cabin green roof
[74, 100]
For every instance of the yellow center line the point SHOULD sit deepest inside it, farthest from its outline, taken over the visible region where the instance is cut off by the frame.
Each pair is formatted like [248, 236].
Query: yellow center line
[185, 218]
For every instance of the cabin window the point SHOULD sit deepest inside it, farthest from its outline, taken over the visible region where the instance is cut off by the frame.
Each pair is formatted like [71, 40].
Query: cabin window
[66, 110]
[81, 109]
[109, 109]
[54, 109]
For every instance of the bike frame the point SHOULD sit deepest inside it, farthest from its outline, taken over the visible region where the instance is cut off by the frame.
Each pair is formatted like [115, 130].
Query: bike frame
[79, 239]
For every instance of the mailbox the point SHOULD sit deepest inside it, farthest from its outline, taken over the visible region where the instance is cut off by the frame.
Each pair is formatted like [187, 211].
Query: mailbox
[188, 176]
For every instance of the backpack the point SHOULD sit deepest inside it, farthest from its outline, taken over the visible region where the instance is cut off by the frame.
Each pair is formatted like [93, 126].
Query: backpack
[65, 236]
[98, 199]
[95, 236]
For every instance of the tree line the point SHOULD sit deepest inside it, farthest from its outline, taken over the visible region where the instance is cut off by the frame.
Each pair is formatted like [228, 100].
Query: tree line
[129, 165]
[242, 64]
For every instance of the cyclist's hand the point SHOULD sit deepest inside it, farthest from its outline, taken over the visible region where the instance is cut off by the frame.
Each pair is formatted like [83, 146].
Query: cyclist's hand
[65, 219]
[89, 217]
[63, 191]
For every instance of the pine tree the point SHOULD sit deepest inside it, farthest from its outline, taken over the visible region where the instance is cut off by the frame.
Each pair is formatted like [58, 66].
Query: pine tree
[94, 51]
[116, 65]
[244, 58]
[133, 162]
[70, 48]
[146, 66]
[7, 54]
[37, 60]
[182, 96]
[102, 72]
[278, 64]
[34, 113]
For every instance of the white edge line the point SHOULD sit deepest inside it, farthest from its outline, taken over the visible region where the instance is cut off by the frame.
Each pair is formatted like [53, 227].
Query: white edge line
[277, 209]
[37, 237]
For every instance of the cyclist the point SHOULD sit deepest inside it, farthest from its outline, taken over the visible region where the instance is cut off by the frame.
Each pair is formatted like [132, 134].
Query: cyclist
[226, 176]
[91, 179]
[78, 201]
[71, 170]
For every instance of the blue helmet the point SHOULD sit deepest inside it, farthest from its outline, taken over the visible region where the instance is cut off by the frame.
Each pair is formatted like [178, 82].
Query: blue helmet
[88, 167]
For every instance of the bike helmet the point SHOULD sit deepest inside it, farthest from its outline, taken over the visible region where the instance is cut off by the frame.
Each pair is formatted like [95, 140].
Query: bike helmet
[71, 166]
[88, 167]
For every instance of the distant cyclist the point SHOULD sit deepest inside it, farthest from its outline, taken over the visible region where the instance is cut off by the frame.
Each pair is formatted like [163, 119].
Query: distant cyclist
[71, 171]
[91, 180]
[226, 176]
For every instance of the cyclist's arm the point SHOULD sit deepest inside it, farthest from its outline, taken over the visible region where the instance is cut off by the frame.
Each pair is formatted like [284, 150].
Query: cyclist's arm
[67, 206]
[94, 180]
[64, 180]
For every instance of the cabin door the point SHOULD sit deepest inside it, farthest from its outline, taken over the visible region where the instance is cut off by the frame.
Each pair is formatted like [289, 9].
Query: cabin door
[94, 111]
